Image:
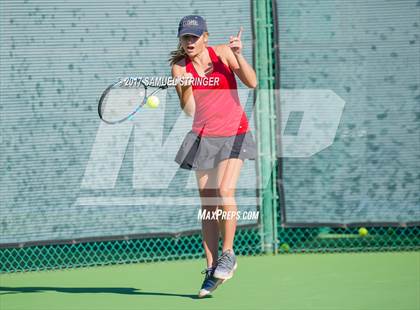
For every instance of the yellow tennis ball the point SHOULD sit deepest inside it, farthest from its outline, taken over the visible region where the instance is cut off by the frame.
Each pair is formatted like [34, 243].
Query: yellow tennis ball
[153, 102]
[363, 231]
[285, 247]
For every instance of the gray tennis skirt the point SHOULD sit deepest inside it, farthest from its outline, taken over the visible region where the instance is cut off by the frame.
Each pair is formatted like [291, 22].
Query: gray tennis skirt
[202, 153]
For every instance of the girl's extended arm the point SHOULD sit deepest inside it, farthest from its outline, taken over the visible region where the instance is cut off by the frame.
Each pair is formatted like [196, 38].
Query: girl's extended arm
[232, 52]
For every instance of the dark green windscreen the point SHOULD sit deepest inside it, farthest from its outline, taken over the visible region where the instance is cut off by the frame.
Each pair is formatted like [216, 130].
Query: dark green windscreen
[66, 175]
[351, 68]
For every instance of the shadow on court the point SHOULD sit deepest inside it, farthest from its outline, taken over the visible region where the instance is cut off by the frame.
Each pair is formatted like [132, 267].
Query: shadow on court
[89, 290]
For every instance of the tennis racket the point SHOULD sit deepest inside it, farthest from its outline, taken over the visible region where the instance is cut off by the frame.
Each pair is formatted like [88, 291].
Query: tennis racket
[119, 103]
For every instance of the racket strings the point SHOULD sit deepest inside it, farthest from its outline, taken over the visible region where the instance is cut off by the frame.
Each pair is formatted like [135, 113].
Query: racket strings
[119, 103]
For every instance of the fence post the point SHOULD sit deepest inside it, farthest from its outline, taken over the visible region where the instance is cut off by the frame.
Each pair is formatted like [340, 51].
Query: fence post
[265, 122]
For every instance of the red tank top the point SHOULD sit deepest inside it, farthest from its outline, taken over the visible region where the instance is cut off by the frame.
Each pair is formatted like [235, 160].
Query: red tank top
[218, 111]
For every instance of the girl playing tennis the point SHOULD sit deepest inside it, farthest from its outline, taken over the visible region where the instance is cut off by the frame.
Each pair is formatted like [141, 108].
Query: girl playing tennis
[220, 139]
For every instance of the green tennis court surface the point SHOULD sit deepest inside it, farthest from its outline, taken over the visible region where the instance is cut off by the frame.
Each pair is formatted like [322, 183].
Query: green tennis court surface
[307, 281]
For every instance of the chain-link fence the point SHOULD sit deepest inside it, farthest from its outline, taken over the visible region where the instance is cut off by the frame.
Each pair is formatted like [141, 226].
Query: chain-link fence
[247, 242]
[46, 257]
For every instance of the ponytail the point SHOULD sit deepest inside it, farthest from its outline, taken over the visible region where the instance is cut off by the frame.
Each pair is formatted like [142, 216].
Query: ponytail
[176, 55]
